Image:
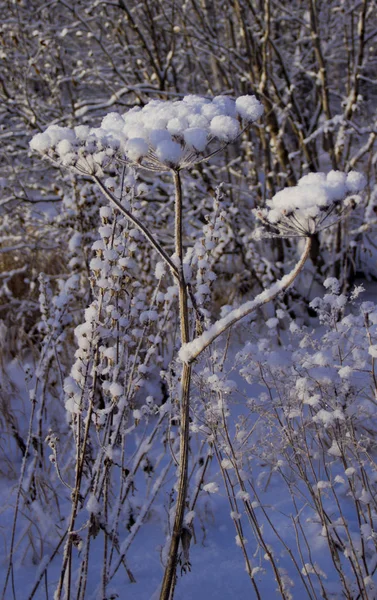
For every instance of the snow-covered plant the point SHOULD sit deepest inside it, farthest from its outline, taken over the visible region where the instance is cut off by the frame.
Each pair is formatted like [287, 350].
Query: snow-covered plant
[119, 341]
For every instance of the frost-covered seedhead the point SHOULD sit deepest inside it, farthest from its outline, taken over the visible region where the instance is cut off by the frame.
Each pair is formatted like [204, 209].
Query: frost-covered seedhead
[303, 209]
[160, 136]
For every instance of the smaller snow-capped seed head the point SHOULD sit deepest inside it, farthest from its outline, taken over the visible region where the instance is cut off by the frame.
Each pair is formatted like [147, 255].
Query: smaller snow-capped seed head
[303, 209]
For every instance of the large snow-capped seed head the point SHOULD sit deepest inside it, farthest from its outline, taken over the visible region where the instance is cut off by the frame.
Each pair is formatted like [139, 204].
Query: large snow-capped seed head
[226, 105]
[112, 121]
[177, 126]
[159, 136]
[210, 111]
[156, 136]
[197, 121]
[63, 147]
[81, 132]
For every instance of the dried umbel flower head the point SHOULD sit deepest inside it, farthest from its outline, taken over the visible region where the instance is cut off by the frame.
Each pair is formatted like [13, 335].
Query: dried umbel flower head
[302, 210]
[160, 136]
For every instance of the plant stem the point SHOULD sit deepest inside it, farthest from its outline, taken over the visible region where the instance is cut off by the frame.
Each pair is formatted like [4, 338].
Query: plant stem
[170, 569]
[194, 348]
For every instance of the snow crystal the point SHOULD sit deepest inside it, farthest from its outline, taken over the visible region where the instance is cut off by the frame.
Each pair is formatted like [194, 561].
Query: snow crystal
[75, 241]
[365, 497]
[240, 541]
[345, 372]
[324, 416]
[350, 471]
[272, 323]
[242, 495]
[93, 505]
[189, 517]
[322, 485]
[236, 516]
[293, 327]
[160, 270]
[339, 479]
[105, 212]
[335, 449]
[142, 189]
[148, 315]
[333, 284]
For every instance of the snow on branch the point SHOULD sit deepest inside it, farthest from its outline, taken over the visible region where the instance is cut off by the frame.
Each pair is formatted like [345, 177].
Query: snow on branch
[189, 352]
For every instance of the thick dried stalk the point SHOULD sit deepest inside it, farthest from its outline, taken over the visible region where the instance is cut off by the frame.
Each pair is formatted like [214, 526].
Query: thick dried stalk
[170, 570]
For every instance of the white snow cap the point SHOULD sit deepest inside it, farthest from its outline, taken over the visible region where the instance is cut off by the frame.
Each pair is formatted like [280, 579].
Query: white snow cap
[249, 108]
[161, 135]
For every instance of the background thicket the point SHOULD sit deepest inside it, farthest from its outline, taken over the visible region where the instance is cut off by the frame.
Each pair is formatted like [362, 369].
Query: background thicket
[313, 65]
